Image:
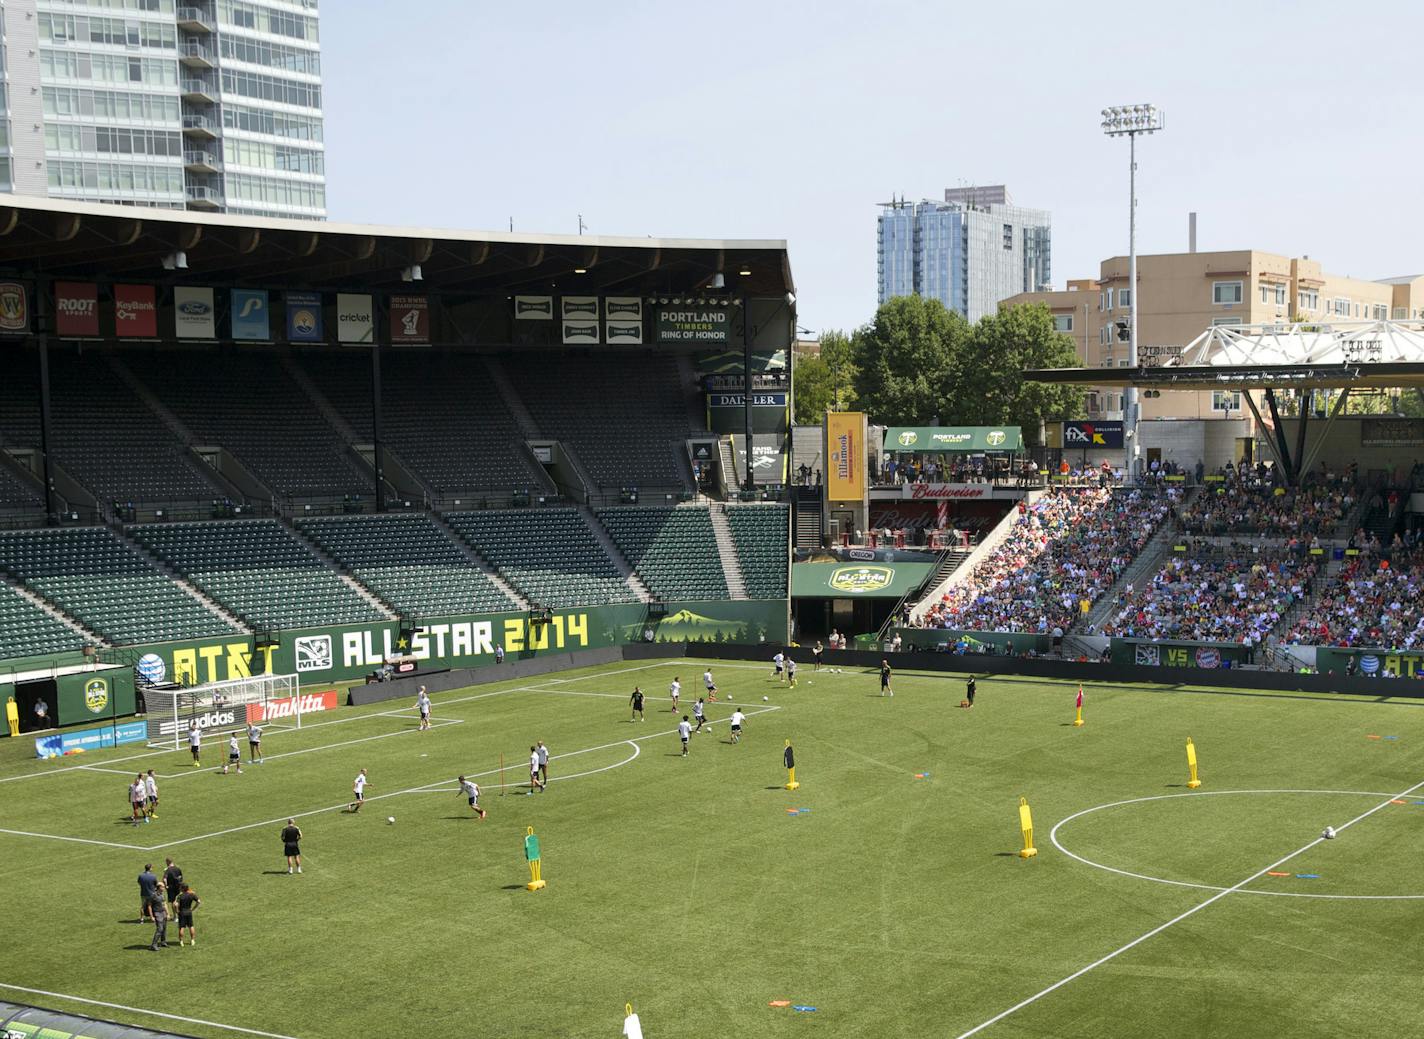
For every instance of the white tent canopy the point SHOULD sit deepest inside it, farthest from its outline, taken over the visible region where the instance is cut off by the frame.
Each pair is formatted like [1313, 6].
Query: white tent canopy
[1338, 342]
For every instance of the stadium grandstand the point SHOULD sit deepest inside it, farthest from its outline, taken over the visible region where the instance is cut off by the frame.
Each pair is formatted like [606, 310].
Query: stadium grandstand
[221, 428]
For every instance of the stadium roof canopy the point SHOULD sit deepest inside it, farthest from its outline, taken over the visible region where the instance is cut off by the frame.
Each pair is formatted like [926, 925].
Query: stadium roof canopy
[1342, 354]
[61, 238]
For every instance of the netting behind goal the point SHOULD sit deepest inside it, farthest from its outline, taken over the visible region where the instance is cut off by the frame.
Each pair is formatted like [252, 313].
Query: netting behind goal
[222, 707]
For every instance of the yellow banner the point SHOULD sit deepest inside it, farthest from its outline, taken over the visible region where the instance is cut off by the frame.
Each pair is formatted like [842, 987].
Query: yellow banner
[845, 455]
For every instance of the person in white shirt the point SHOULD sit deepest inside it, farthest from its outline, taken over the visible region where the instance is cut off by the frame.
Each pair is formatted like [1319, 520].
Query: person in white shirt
[234, 755]
[195, 742]
[534, 781]
[138, 795]
[471, 790]
[358, 790]
[711, 685]
[684, 733]
[674, 691]
[776, 663]
[423, 703]
[254, 743]
[737, 718]
[699, 710]
[543, 752]
[150, 790]
[791, 672]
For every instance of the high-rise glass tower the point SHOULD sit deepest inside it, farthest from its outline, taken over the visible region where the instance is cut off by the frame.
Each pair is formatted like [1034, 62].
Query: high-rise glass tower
[197, 104]
[969, 252]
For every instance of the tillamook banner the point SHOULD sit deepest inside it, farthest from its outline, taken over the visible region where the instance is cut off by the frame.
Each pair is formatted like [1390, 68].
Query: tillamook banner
[194, 316]
[410, 319]
[904, 439]
[845, 455]
[135, 312]
[707, 326]
[354, 322]
[76, 308]
[1092, 434]
[251, 315]
[304, 323]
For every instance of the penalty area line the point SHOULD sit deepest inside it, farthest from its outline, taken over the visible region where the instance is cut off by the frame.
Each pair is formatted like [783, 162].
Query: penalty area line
[1180, 917]
[141, 1010]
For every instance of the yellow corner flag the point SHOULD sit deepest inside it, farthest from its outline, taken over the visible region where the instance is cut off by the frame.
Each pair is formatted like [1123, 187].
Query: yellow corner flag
[1026, 824]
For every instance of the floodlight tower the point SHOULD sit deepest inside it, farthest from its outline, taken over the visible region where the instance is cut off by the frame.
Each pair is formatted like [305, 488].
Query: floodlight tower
[1129, 121]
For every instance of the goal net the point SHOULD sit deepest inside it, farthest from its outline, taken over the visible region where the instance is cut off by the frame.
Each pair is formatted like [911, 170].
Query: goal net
[221, 707]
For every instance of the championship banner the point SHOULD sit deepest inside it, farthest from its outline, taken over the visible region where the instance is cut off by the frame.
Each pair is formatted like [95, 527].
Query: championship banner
[581, 333]
[845, 451]
[354, 323]
[534, 308]
[623, 309]
[1093, 434]
[194, 316]
[76, 308]
[304, 321]
[14, 308]
[250, 315]
[709, 326]
[135, 312]
[579, 308]
[410, 319]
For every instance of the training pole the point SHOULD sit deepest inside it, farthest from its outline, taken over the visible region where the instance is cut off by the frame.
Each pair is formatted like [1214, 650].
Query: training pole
[1078, 721]
[1193, 782]
[501, 775]
[1026, 825]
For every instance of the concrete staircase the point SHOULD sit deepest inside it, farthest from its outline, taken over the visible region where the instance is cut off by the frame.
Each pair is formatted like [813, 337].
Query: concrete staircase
[167, 569]
[45, 606]
[1138, 572]
[479, 562]
[630, 578]
[727, 549]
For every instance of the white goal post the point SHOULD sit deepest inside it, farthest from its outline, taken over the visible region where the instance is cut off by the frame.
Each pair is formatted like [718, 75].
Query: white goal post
[221, 707]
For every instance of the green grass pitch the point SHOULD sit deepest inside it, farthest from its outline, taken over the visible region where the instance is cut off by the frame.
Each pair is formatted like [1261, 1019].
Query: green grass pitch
[896, 906]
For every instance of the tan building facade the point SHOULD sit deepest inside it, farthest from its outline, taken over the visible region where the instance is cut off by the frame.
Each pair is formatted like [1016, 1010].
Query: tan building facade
[1184, 294]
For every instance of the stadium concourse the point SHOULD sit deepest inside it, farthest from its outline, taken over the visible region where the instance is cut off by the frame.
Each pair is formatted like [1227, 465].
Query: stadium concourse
[218, 430]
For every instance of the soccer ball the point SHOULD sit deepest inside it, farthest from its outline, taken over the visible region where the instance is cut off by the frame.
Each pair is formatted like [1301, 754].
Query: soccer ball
[390, 819]
[1329, 833]
[764, 699]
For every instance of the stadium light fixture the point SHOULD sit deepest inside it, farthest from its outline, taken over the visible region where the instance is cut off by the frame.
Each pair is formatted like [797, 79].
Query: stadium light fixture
[745, 270]
[580, 270]
[1129, 121]
[177, 260]
[719, 281]
[412, 273]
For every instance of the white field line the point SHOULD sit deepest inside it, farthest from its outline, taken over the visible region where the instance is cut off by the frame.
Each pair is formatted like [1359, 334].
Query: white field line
[1053, 837]
[1181, 916]
[76, 840]
[428, 787]
[140, 1010]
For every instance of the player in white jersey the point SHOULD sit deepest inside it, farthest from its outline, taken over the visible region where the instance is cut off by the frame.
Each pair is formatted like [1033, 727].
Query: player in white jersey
[138, 796]
[711, 685]
[675, 691]
[777, 663]
[195, 742]
[791, 672]
[254, 743]
[535, 783]
[234, 756]
[471, 790]
[684, 733]
[737, 718]
[422, 702]
[699, 710]
[150, 790]
[358, 791]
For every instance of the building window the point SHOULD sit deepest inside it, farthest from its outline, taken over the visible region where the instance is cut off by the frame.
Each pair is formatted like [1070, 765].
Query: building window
[1307, 299]
[1122, 363]
[1225, 292]
[1063, 322]
[1341, 307]
[1225, 321]
[1124, 297]
[1008, 236]
[1400, 313]
[1273, 294]
[1380, 312]
[1222, 401]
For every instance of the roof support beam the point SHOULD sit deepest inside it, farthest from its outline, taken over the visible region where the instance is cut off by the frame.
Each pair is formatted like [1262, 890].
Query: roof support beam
[1284, 456]
[1319, 444]
[1256, 414]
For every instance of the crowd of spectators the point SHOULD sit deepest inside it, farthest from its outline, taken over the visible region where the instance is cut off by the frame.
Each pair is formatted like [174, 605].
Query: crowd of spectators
[1371, 602]
[1238, 596]
[1064, 551]
[899, 469]
[1251, 500]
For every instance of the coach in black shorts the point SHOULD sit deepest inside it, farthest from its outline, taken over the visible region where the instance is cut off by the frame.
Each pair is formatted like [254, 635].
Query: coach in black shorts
[291, 845]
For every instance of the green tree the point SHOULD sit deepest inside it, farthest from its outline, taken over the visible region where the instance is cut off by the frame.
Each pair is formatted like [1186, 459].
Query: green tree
[985, 385]
[904, 360]
[825, 381]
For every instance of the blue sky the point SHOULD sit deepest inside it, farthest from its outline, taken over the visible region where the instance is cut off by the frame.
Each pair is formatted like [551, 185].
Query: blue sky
[1291, 127]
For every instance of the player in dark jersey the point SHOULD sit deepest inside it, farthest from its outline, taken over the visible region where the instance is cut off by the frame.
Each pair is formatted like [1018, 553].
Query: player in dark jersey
[187, 901]
[637, 701]
[291, 845]
[885, 689]
[969, 691]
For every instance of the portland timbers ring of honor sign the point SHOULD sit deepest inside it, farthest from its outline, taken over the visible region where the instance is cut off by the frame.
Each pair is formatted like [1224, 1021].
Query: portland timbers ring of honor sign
[711, 326]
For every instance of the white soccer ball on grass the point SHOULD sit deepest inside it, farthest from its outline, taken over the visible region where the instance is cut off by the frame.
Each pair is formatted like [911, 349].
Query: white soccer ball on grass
[1328, 833]
[391, 819]
[765, 699]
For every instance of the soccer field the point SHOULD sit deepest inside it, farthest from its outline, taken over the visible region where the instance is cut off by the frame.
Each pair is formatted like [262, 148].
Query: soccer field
[893, 902]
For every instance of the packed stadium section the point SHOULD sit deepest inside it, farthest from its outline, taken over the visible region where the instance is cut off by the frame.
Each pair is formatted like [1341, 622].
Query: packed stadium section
[268, 437]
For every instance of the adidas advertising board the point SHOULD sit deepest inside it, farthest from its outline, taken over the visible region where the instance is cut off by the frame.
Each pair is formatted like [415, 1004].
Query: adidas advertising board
[354, 322]
[194, 316]
[211, 720]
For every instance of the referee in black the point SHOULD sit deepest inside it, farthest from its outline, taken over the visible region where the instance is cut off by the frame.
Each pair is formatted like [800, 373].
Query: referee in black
[292, 845]
[969, 691]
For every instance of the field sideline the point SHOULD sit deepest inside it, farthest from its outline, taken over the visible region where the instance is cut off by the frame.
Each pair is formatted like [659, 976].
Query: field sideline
[893, 902]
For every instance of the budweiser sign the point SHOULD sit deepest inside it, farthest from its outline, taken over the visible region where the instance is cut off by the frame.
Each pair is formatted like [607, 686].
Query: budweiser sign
[944, 491]
[287, 706]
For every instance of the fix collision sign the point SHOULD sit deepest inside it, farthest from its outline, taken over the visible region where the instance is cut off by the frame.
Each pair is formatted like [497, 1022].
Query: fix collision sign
[135, 312]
